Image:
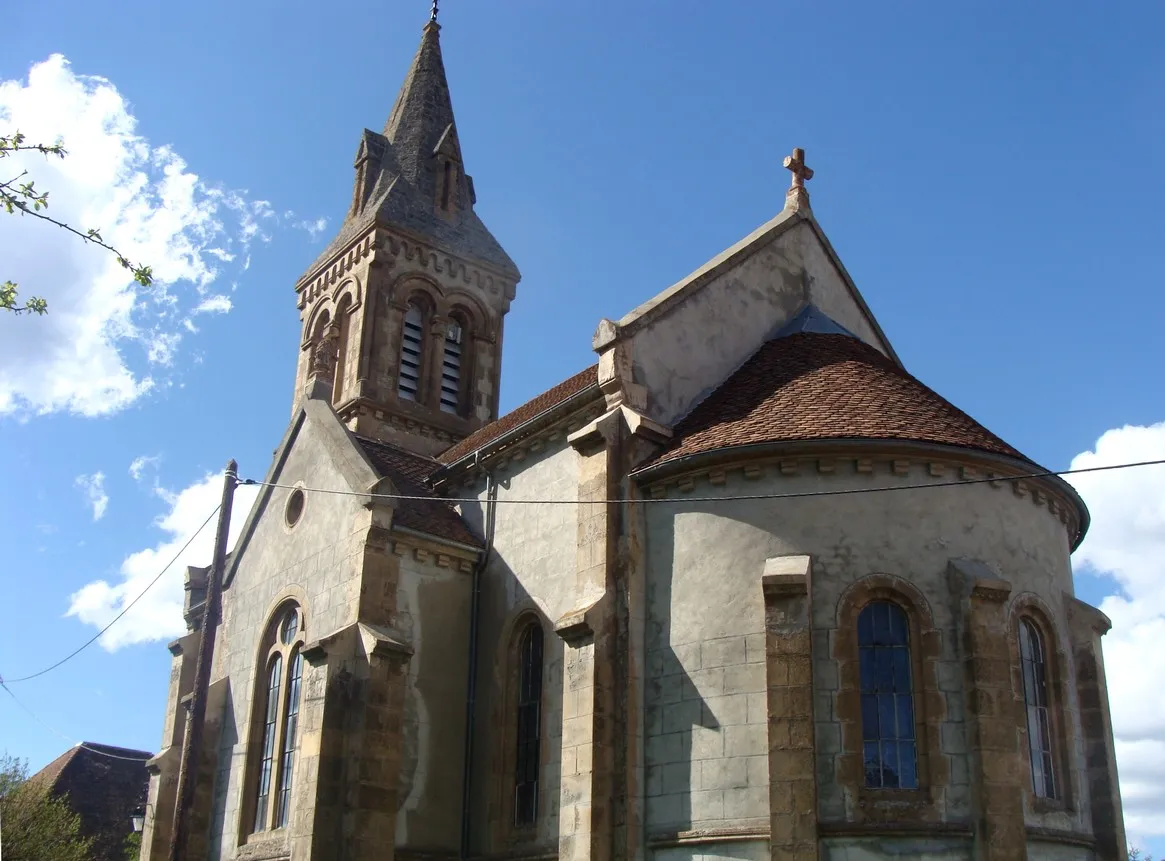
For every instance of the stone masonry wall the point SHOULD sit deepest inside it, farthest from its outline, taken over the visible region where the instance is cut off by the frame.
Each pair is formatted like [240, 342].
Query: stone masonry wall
[705, 559]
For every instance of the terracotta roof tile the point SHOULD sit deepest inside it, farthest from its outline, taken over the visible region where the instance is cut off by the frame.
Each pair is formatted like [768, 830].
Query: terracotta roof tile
[103, 790]
[408, 472]
[548, 399]
[811, 386]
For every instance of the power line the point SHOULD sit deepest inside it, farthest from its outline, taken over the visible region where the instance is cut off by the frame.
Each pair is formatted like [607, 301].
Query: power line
[60, 734]
[4, 682]
[473, 500]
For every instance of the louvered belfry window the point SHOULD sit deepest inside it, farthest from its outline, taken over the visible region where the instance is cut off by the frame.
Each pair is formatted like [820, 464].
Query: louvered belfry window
[451, 370]
[889, 751]
[529, 725]
[412, 337]
[1035, 700]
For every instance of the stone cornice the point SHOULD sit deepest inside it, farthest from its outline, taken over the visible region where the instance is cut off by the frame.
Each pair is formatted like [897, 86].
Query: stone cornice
[885, 457]
[433, 550]
[529, 438]
[385, 246]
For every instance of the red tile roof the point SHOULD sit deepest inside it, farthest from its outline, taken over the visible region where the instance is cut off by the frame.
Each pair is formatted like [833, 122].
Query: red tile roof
[545, 401]
[812, 386]
[104, 785]
[408, 472]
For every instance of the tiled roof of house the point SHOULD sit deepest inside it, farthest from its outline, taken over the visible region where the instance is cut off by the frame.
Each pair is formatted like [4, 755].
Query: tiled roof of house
[817, 386]
[532, 408]
[408, 472]
[104, 785]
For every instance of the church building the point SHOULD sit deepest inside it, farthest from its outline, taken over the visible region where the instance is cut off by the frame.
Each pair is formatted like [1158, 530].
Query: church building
[744, 588]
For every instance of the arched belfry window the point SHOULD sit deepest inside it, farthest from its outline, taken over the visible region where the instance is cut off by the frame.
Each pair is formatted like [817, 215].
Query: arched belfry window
[889, 750]
[277, 711]
[451, 366]
[411, 344]
[529, 719]
[1035, 699]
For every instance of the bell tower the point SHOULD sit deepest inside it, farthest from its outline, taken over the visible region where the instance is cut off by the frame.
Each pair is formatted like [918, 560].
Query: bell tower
[403, 312]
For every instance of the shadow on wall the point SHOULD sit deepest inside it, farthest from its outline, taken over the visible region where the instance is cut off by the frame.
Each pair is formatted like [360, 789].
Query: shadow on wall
[680, 727]
[507, 607]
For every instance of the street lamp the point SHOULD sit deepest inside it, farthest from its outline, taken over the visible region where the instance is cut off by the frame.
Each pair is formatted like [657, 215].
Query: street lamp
[138, 819]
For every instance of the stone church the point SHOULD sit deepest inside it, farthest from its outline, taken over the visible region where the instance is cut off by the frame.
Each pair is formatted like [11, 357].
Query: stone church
[742, 589]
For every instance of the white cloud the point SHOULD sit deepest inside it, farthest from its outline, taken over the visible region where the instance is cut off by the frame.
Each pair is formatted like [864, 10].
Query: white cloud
[158, 615]
[314, 228]
[95, 495]
[106, 339]
[217, 304]
[141, 463]
[1126, 542]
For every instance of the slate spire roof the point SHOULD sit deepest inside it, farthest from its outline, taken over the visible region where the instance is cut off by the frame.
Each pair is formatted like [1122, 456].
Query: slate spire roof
[396, 171]
[422, 114]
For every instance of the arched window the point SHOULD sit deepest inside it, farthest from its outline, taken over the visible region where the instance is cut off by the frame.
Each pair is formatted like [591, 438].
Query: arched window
[411, 343]
[889, 749]
[529, 725]
[278, 713]
[451, 368]
[1035, 700]
[343, 329]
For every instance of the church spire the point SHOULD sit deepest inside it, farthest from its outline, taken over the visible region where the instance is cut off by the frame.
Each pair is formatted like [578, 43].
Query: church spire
[421, 120]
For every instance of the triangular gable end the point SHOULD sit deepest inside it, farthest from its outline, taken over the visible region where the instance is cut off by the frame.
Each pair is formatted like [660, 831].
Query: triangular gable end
[668, 353]
[343, 451]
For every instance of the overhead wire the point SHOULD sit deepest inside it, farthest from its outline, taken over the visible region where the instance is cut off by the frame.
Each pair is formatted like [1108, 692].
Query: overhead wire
[60, 734]
[115, 619]
[3, 683]
[802, 494]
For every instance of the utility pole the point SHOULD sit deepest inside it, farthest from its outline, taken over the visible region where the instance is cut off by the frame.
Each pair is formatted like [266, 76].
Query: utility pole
[196, 712]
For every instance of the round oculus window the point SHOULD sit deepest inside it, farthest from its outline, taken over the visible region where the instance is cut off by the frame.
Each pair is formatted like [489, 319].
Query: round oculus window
[294, 509]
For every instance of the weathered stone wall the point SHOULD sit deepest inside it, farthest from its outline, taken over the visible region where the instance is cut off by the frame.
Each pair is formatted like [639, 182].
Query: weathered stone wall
[318, 563]
[682, 352]
[433, 617]
[705, 562]
[531, 571]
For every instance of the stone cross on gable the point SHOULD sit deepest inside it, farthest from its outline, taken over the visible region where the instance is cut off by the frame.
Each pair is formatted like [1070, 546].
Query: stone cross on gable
[797, 196]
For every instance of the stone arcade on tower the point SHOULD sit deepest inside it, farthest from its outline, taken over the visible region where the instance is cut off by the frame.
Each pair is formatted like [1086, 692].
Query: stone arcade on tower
[661, 668]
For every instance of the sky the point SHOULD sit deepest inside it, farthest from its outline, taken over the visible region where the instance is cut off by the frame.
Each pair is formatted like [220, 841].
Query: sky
[990, 173]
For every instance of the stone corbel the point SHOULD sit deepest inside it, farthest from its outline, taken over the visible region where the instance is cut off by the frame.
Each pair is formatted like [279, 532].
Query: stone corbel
[973, 579]
[165, 761]
[577, 627]
[786, 577]
[616, 370]
[373, 641]
[1080, 612]
[382, 642]
[603, 430]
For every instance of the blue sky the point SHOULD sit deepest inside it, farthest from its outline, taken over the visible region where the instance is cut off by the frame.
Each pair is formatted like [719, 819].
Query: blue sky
[990, 174]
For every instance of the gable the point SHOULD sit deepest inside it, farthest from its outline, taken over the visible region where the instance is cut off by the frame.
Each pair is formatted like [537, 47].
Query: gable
[691, 337]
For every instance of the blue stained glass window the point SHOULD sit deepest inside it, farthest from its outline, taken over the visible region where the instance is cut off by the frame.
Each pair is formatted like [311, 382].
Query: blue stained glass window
[1035, 700]
[274, 678]
[889, 749]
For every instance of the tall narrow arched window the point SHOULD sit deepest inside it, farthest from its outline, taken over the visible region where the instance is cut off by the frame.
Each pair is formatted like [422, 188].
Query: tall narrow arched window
[889, 749]
[1035, 700]
[411, 343]
[529, 716]
[451, 368]
[343, 331]
[277, 713]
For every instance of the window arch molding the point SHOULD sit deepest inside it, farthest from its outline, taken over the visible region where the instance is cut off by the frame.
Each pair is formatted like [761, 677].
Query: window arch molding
[914, 805]
[1029, 608]
[274, 720]
[351, 288]
[511, 827]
